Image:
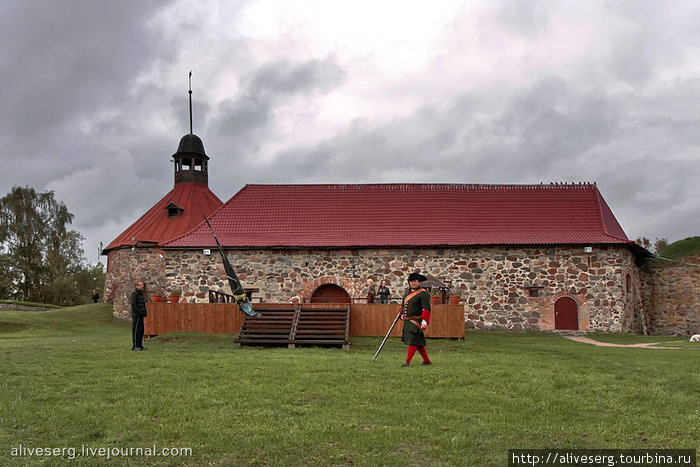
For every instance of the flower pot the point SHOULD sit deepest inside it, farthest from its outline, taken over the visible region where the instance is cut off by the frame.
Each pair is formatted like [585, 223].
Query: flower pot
[454, 299]
[434, 300]
[157, 298]
[174, 298]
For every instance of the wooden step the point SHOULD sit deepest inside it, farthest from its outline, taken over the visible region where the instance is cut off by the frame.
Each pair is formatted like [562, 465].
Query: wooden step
[296, 326]
[274, 326]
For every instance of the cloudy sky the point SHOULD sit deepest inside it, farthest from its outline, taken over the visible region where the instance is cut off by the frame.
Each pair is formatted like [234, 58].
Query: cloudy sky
[515, 91]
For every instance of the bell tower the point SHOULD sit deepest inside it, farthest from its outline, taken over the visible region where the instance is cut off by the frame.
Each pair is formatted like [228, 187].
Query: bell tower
[190, 161]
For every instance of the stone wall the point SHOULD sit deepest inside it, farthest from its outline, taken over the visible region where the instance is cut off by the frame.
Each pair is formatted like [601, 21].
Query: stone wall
[497, 284]
[125, 268]
[672, 296]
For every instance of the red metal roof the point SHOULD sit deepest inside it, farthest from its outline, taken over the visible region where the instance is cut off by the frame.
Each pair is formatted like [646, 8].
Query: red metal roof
[409, 215]
[195, 201]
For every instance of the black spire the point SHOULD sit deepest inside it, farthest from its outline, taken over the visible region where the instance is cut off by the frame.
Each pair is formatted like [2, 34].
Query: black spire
[191, 162]
[190, 102]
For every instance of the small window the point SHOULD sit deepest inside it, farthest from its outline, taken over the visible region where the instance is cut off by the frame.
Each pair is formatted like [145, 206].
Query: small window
[186, 164]
[174, 210]
[198, 165]
[535, 291]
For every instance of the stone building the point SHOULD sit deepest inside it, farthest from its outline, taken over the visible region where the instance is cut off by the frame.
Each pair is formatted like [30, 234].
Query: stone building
[522, 257]
[135, 254]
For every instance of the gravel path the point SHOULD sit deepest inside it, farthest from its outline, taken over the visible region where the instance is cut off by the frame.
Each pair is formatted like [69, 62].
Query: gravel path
[648, 345]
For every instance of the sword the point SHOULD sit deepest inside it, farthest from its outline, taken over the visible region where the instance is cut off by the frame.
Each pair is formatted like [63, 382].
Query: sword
[396, 320]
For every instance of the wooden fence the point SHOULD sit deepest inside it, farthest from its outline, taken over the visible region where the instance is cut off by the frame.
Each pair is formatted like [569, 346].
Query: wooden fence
[375, 320]
[224, 318]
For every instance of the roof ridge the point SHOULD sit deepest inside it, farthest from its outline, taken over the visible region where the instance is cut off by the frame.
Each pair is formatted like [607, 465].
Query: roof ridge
[406, 186]
[602, 203]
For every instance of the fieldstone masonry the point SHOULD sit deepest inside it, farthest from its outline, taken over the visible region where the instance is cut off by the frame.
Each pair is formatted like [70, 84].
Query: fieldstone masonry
[508, 288]
[672, 291]
[125, 268]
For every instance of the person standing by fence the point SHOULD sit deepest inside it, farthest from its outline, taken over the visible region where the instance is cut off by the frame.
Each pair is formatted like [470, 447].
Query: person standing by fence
[383, 292]
[138, 313]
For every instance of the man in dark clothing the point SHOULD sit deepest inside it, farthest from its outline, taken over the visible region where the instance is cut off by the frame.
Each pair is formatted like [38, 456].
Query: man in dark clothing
[415, 317]
[138, 313]
[95, 296]
[383, 292]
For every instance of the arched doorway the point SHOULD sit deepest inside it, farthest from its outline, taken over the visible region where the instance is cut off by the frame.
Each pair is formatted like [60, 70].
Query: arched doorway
[330, 293]
[566, 314]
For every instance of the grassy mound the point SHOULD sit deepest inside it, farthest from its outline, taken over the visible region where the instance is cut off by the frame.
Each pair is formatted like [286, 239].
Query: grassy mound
[682, 248]
[677, 251]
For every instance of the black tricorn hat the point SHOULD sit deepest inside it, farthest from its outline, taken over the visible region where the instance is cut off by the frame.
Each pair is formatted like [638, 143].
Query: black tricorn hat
[416, 276]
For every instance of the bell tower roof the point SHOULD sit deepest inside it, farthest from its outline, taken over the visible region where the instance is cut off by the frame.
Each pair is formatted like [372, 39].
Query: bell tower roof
[191, 162]
[191, 144]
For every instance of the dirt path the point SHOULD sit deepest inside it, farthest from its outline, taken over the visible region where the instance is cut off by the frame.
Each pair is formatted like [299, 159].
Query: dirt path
[649, 345]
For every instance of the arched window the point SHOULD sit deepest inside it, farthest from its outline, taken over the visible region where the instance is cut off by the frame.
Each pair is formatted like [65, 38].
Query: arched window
[330, 293]
[628, 283]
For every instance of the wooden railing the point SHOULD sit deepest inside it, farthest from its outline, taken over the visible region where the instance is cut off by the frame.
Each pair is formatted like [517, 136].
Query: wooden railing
[224, 318]
[216, 296]
[345, 301]
[220, 297]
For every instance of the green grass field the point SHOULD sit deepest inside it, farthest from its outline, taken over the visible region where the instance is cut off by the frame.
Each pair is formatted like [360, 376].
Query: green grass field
[69, 379]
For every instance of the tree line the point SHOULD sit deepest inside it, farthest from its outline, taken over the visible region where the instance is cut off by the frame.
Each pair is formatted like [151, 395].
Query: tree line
[41, 258]
[655, 247]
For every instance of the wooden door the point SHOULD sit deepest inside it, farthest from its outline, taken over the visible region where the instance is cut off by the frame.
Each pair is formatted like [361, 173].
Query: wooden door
[566, 314]
[330, 293]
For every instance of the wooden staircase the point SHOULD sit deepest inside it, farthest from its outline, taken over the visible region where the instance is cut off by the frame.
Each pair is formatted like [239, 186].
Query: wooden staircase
[319, 326]
[296, 325]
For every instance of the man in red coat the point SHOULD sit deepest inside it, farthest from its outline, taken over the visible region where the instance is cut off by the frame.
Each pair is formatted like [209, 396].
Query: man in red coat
[415, 317]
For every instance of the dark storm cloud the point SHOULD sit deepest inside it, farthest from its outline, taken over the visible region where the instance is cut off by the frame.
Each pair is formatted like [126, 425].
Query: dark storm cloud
[247, 118]
[553, 131]
[286, 79]
[552, 120]
[646, 40]
[515, 91]
[69, 59]
[63, 63]
[73, 57]
[541, 128]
